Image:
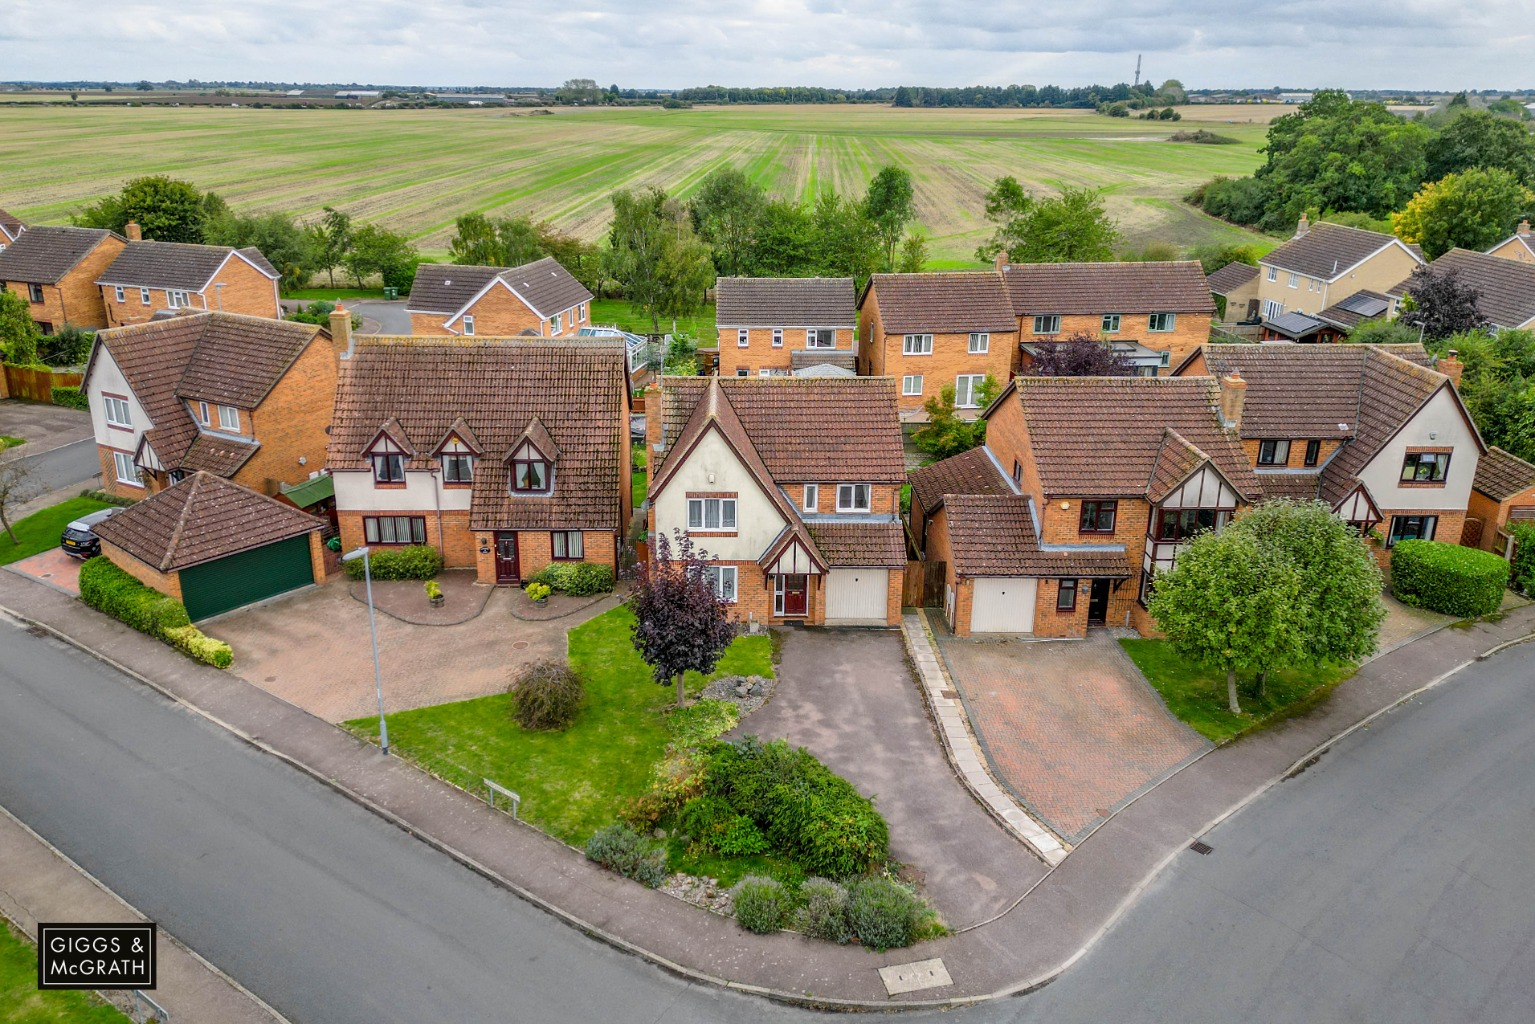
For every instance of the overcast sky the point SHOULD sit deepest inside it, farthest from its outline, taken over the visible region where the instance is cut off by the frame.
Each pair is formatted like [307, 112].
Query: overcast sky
[1417, 44]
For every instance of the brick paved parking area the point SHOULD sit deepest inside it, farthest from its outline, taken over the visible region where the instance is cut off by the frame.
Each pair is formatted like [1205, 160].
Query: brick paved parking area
[1070, 727]
[52, 567]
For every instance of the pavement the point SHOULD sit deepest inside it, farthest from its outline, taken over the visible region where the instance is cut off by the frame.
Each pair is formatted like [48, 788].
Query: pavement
[1063, 915]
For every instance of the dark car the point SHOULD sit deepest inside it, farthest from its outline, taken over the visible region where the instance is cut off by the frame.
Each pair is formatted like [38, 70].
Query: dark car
[79, 537]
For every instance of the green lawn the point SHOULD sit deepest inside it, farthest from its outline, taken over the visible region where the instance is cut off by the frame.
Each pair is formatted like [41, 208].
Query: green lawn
[637, 483]
[623, 313]
[40, 531]
[332, 294]
[7, 441]
[1197, 694]
[22, 1003]
[571, 782]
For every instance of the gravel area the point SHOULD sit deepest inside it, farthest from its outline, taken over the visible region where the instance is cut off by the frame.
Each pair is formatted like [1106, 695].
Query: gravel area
[702, 891]
[747, 693]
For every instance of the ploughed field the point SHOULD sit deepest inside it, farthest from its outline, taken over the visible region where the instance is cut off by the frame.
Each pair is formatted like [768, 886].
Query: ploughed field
[416, 170]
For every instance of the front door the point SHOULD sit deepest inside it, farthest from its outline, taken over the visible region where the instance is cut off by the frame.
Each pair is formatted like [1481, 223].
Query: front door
[506, 558]
[792, 595]
[1098, 603]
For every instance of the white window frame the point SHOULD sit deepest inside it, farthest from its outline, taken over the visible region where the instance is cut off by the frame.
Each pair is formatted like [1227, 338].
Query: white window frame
[468, 326]
[557, 323]
[227, 413]
[917, 345]
[119, 406]
[120, 293]
[1047, 323]
[1169, 322]
[1272, 308]
[810, 501]
[121, 460]
[847, 497]
[144, 296]
[1294, 279]
[778, 337]
[980, 343]
[203, 415]
[720, 574]
[581, 312]
[911, 384]
[724, 509]
[175, 298]
[812, 336]
[1273, 274]
[964, 397]
[1107, 319]
[743, 338]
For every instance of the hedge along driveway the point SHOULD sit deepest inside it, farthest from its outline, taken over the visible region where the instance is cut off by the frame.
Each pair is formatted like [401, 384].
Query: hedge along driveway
[572, 782]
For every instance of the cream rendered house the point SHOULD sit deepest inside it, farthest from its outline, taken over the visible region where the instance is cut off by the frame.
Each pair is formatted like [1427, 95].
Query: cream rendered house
[1325, 264]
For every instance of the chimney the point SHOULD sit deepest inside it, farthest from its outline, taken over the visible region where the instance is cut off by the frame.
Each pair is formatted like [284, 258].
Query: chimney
[1451, 367]
[1233, 395]
[1524, 228]
[341, 331]
[1302, 227]
[133, 231]
[1002, 260]
[654, 418]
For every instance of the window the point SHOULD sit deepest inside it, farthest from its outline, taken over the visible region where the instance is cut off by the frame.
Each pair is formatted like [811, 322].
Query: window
[35, 292]
[1273, 273]
[202, 414]
[1098, 517]
[743, 371]
[778, 337]
[458, 469]
[531, 475]
[724, 579]
[388, 469]
[45, 328]
[743, 338]
[1047, 325]
[980, 344]
[144, 296]
[177, 299]
[820, 337]
[119, 293]
[917, 345]
[394, 529]
[1272, 309]
[1066, 596]
[1313, 452]
[1411, 528]
[812, 497]
[852, 497]
[127, 472]
[229, 418]
[557, 323]
[581, 309]
[1273, 453]
[1425, 467]
[1167, 358]
[1161, 323]
[566, 546]
[717, 514]
[1017, 472]
[1111, 323]
[911, 384]
[1181, 524]
[117, 412]
[1294, 279]
[469, 326]
[967, 388]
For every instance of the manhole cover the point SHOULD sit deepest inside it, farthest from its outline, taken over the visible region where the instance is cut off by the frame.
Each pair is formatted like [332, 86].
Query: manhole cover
[949, 694]
[520, 645]
[46, 576]
[37, 631]
[915, 977]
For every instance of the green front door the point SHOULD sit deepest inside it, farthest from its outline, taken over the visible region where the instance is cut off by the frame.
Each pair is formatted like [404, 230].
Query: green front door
[253, 575]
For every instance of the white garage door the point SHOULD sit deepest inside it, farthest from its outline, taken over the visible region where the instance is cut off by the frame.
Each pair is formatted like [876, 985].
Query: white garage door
[1003, 604]
[857, 596]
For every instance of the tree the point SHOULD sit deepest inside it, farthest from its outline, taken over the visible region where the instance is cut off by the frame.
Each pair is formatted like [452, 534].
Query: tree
[845, 242]
[945, 434]
[1383, 332]
[725, 212]
[388, 254]
[1071, 227]
[332, 240]
[902, 97]
[165, 208]
[1080, 355]
[1471, 209]
[784, 242]
[18, 332]
[1213, 257]
[17, 487]
[1497, 384]
[890, 205]
[655, 257]
[913, 256]
[578, 90]
[482, 242]
[1477, 138]
[681, 624]
[287, 246]
[1441, 305]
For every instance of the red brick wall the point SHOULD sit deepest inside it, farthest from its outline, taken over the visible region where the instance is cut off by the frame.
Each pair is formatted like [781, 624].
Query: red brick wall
[1297, 452]
[246, 290]
[1190, 330]
[109, 482]
[1007, 435]
[165, 583]
[1061, 525]
[292, 420]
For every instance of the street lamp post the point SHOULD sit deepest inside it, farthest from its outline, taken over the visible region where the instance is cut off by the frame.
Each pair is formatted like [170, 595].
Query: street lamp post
[378, 678]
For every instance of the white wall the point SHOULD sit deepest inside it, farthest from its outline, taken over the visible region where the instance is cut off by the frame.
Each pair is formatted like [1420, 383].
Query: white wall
[106, 377]
[1383, 474]
[758, 522]
[355, 493]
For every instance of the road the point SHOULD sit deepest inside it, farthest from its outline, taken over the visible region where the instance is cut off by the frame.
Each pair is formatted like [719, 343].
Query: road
[70, 465]
[1389, 882]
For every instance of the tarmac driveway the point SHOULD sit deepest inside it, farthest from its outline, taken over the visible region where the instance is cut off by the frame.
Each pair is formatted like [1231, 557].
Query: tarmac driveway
[848, 696]
[1070, 727]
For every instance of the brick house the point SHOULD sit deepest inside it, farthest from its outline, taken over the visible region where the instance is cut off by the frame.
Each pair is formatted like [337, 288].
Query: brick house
[539, 298]
[1237, 284]
[55, 270]
[1084, 489]
[1323, 264]
[932, 330]
[777, 325]
[11, 228]
[1502, 492]
[1164, 308]
[792, 485]
[1505, 288]
[147, 277]
[1370, 429]
[1518, 246]
[503, 453]
[244, 398]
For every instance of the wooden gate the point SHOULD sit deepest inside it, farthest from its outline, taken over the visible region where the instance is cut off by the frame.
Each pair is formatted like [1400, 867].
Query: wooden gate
[922, 586]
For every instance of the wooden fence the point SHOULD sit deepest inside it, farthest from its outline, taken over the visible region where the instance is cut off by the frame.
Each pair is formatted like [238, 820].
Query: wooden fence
[38, 385]
[923, 585]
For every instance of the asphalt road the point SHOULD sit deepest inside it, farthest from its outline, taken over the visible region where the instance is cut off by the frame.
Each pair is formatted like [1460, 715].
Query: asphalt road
[66, 466]
[1390, 882]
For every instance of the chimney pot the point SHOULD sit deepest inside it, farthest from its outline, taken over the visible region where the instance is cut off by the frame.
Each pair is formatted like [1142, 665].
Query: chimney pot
[341, 331]
[1002, 260]
[1303, 226]
[133, 231]
[1524, 227]
[1451, 366]
[1233, 396]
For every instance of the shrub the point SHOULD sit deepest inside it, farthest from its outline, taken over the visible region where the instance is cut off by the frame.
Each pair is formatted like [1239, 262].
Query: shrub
[1448, 578]
[417, 562]
[883, 914]
[622, 850]
[69, 398]
[701, 721]
[1523, 568]
[433, 590]
[742, 838]
[69, 346]
[538, 591]
[578, 579]
[109, 589]
[760, 904]
[197, 645]
[824, 915]
[546, 695]
[713, 822]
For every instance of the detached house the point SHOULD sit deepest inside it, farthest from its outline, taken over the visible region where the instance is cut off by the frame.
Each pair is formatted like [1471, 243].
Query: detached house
[1323, 265]
[55, 270]
[1502, 493]
[778, 325]
[1505, 288]
[245, 398]
[1518, 246]
[1085, 488]
[539, 298]
[503, 453]
[148, 277]
[11, 228]
[792, 486]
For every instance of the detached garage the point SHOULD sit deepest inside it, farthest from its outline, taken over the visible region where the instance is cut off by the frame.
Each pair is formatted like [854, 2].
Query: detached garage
[215, 545]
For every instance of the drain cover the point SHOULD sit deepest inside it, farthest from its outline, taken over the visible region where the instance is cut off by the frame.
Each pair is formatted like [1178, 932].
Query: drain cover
[1202, 847]
[520, 645]
[914, 977]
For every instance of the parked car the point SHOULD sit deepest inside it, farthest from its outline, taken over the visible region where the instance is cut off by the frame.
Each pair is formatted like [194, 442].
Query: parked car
[79, 537]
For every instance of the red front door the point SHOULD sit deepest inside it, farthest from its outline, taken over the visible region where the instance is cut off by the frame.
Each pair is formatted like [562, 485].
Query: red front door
[506, 558]
[795, 595]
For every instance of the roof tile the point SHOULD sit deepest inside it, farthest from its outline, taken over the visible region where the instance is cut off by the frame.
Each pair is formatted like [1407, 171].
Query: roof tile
[785, 302]
[175, 265]
[1327, 250]
[942, 303]
[1500, 475]
[993, 535]
[1091, 288]
[43, 255]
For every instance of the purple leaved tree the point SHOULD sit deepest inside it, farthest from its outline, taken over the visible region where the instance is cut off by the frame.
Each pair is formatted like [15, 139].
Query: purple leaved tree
[680, 623]
[1080, 355]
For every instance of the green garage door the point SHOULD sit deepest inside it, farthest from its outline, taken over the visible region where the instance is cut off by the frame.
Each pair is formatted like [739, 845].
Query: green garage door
[226, 583]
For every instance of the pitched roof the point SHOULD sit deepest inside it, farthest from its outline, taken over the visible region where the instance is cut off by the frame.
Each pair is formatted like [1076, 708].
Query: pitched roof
[970, 472]
[806, 428]
[199, 519]
[1103, 436]
[860, 544]
[1231, 277]
[446, 287]
[1067, 288]
[993, 535]
[785, 302]
[1177, 458]
[574, 386]
[1527, 240]
[1500, 475]
[1362, 305]
[1506, 287]
[1327, 250]
[239, 359]
[546, 286]
[10, 224]
[1296, 486]
[175, 265]
[43, 255]
[942, 303]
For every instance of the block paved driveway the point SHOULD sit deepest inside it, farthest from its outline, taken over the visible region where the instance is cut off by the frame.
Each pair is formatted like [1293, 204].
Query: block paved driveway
[1071, 727]
[848, 696]
[52, 567]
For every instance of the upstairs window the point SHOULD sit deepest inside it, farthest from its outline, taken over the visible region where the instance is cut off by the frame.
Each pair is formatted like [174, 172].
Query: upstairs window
[917, 345]
[120, 294]
[117, 411]
[852, 497]
[778, 337]
[980, 344]
[177, 299]
[1111, 323]
[743, 338]
[531, 475]
[469, 326]
[388, 468]
[1294, 280]
[812, 497]
[820, 337]
[712, 514]
[1425, 467]
[203, 415]
[1273, 273]
[1017, 472]
[1098, 517]
[1047, 325]
[229, 418]
[1313, 452]
[143, 296]
[1161, 323]
[458, 469]
[35, 292]
[1273, 453]
[557, 323]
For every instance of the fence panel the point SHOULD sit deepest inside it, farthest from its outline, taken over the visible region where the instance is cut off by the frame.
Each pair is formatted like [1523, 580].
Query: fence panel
[38, 385]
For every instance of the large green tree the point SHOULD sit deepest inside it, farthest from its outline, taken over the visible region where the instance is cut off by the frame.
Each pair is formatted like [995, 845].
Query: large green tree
[18, 332]
[166, 209]
[654, 255]
[1070, 227]
[1471, 209]
[286, 245]
[387, 254]
[505, 242]
[1477, 138]
[1497, 384]
[845, 242]
[726, 210]
[331, 239]
[890, 205]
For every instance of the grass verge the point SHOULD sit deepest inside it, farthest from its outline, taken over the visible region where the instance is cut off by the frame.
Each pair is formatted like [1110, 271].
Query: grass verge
[22, 1003]
[571, 782]
[40, 531]
[7, 441]
[1197, 694]
[332, 294]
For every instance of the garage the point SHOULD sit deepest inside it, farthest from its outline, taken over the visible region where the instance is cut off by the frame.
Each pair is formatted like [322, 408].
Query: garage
[245, 578]
[857, 597]
[1003, 604]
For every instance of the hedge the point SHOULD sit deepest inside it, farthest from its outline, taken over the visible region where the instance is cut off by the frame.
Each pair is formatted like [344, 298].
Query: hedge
[1448, 578]
[1523, 568]
[70, 398]
[417, 562]
[578, 579]
[113, 591]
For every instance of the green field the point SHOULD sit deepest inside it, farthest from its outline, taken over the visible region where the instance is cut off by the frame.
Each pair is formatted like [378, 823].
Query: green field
[416, 170]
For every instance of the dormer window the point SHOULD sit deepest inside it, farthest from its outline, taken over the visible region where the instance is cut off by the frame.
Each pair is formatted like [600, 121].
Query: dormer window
[388, 468]
[852, 497]
[531, 475]
[457, 469]
[229, 418]
[530, 466]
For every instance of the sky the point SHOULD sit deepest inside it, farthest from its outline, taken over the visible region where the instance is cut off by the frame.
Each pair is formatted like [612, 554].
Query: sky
[1362, 44]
